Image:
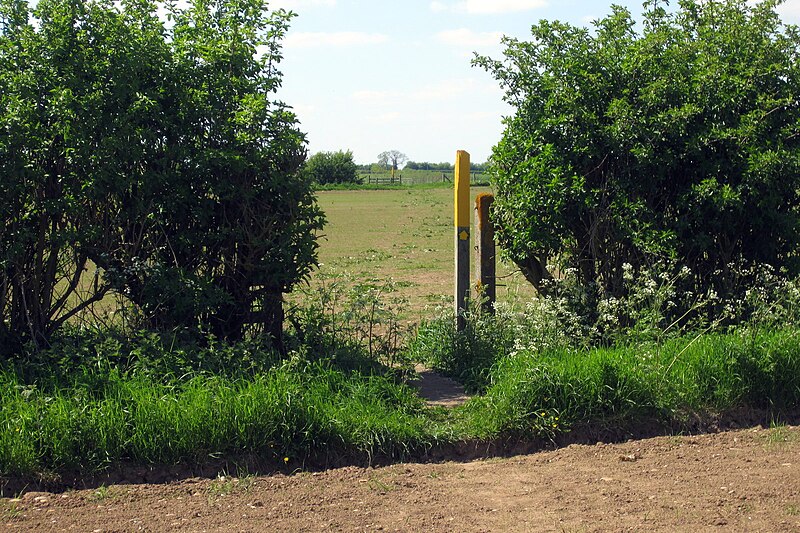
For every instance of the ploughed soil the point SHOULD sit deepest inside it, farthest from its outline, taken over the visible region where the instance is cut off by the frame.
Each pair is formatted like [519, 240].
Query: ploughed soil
[745, 480]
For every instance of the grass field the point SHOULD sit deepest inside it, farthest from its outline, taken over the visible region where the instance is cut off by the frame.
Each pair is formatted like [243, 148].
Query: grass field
[400, 234]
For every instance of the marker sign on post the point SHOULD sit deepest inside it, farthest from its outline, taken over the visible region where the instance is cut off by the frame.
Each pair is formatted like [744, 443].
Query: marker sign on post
[462, 232]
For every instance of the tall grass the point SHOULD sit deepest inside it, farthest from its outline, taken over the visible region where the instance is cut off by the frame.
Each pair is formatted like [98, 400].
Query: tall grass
[546, 393]
[295, 410]
[97, 398]
[299, 409]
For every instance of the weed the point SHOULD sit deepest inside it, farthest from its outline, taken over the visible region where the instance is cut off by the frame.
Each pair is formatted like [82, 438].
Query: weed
[779, 434]
[226, 485]
[344, 317]
[379, 486]
[102, 493]
[9, 510]
[793, 510]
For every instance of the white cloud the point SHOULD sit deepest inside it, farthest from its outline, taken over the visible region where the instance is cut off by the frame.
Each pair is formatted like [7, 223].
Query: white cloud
[343, 38]
[487, 7]
[373, 96]
[297, 4]
[389, 117]
[464, 37]
[443, 91]
[790, 10]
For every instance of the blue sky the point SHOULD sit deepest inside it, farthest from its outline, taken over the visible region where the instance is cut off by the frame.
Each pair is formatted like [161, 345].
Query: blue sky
[370, 76]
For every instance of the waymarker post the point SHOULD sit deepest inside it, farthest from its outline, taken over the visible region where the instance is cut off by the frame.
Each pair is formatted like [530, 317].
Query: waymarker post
[462, 231]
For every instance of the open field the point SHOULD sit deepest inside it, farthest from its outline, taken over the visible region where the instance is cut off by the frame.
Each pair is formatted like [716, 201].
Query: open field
[402, 234]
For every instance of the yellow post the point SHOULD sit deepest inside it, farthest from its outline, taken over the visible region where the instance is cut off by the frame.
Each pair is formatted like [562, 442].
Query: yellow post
[462, 231]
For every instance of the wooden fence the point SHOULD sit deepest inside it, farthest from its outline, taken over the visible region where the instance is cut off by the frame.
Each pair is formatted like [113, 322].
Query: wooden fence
[416, 177]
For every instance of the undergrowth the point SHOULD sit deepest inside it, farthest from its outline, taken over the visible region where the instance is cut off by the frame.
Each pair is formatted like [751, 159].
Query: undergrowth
[99, 397]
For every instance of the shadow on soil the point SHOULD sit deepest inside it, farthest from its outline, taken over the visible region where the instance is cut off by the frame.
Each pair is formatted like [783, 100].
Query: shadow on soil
[464, 451]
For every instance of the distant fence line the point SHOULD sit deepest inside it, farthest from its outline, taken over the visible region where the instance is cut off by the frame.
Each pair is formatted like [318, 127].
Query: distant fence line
[416, 177]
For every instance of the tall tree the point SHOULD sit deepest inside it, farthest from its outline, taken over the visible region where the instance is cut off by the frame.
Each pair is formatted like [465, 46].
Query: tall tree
[392, 159]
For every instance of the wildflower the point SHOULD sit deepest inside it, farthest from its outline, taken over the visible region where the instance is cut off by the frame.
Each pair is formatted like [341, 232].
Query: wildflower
[285, 459]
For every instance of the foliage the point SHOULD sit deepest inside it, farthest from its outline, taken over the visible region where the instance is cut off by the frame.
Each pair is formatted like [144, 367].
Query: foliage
[413, 165]
[348, 319]
[331, 168]
[680, 141]
[579, 320]
[467, 355]
[548, 393]
[155, 153]
[444, 167]
[296, 410]
[56, 108]
[70, 415]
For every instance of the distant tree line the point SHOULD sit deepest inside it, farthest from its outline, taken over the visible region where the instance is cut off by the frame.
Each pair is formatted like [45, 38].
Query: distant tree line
[442, 167]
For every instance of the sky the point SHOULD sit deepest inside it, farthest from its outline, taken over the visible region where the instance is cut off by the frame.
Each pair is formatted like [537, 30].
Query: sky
[376, 75]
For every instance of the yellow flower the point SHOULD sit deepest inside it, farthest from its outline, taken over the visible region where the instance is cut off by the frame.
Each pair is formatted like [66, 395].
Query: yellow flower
[542, 413]
[285, 459]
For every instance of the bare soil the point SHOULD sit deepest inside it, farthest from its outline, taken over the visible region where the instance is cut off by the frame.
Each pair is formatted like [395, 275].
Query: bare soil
[438, 390]
[746, 480]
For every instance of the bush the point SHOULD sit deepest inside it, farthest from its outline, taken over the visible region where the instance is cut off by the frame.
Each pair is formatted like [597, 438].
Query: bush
[658, 308]
[678, 141]
[154, 156]
[332, 167]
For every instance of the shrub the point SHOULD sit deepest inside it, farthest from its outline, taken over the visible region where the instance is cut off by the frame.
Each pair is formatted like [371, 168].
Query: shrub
[332, 167]
[155, 154]
[677, 141]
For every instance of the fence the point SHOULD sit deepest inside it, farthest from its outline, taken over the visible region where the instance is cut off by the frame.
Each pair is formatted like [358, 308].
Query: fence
[417, 177]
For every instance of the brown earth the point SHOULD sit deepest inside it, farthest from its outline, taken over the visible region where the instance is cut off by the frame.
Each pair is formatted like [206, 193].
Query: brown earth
[747, 480]
[438, 390]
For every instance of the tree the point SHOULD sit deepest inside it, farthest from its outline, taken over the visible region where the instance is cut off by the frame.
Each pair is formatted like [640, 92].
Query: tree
[680, 141]
[226, 222]
[332, 167]
[158, 155]
[75, 90]
[392, 159]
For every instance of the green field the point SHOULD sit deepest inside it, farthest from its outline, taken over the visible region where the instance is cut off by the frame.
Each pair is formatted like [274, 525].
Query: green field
[402, 234]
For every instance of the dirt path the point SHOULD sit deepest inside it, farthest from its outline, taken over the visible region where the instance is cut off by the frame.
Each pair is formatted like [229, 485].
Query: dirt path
[736, 481]
[437, 389]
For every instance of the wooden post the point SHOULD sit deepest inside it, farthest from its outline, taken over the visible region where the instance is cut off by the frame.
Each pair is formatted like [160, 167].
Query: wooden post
[486, 274]
[462, 228]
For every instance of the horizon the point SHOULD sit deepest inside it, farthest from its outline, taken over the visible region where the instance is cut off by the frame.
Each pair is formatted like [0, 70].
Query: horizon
[375, 76]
